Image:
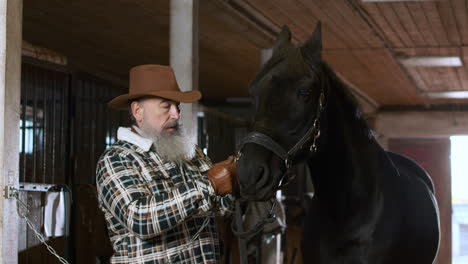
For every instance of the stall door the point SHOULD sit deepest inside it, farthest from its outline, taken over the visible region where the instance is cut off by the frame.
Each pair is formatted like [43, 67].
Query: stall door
[65, 126]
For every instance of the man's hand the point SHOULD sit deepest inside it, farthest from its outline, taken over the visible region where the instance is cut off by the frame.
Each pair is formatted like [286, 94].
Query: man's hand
[223, 176]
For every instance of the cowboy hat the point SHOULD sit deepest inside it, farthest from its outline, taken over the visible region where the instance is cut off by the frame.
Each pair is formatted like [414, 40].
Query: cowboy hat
[153, 80]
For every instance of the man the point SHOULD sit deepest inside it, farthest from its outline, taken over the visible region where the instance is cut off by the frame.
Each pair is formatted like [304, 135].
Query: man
[158, 191]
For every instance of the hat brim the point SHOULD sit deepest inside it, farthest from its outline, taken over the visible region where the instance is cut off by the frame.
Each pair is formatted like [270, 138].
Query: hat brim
[121, 102]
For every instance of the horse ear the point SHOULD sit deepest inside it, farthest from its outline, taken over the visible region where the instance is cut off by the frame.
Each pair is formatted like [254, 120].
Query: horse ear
[312, 48]
[284, 38]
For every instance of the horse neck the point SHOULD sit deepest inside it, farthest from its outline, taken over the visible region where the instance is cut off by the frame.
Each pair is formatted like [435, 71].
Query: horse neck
[345, 171]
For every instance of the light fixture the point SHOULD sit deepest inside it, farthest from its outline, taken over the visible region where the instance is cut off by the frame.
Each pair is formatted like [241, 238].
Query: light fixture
[431, 61]
[369, 1]
[447, 94]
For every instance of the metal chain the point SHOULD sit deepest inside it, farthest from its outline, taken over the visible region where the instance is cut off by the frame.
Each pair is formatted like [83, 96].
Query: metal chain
[41, 238]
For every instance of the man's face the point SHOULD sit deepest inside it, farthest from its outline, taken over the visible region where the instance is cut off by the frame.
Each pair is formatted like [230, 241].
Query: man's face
[157, 116]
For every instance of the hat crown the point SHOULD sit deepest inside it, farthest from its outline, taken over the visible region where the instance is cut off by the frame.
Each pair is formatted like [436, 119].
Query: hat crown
[151, 78]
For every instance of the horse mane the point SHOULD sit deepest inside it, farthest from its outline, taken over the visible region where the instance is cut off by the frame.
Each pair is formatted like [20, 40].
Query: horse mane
[357, 198]
[342, 93]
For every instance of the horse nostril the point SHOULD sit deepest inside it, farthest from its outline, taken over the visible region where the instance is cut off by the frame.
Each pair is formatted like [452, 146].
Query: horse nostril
[263, 173]
[260, 171]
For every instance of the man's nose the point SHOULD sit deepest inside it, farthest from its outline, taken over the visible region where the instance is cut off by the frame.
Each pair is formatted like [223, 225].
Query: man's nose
[174, 112]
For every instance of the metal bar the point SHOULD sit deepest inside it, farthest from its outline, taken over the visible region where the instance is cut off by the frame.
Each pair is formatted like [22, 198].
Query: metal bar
[107, 125]
[117, 120]
[34, 86]
[62, 130]
[68, 114]
[72, 123]
[92, 125]
[54, 87]
[24, 97]
[44, 125]
[35, 187]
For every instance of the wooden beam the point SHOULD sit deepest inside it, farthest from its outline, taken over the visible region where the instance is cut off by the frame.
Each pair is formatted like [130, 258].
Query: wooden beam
[10, 89]
[366, 103]
[43, 54]
[430, 124]
[250, 23]
[380, 1]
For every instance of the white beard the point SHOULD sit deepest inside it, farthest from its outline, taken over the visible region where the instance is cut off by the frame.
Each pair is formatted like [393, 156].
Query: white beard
[177, 148]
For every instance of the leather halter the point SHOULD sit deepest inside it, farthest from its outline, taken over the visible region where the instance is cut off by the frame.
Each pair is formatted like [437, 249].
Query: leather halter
[288, 156]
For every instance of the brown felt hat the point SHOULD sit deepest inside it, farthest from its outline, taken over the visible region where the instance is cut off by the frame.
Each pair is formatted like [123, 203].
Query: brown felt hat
[153, 80]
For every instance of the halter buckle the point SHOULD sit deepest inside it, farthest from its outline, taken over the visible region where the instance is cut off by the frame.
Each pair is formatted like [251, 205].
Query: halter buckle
[313, 148]
[238, 156]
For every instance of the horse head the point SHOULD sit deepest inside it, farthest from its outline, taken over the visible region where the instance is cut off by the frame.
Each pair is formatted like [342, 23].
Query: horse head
[288, 95]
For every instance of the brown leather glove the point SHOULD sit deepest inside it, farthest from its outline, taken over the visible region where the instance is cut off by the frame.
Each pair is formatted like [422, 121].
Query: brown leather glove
[223, 176]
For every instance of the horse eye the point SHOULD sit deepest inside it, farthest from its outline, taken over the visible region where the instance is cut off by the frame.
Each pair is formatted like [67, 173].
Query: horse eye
[305, 92]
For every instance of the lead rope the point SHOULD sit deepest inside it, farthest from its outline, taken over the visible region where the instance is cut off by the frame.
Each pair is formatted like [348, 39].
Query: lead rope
[15, 195]
[242, 243]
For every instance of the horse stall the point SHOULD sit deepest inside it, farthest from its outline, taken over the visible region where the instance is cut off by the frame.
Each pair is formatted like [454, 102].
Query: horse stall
[65, 126]
[402, 63]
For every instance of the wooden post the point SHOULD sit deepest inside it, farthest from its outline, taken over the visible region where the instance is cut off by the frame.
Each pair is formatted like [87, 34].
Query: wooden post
[10, 88]
[184, 56]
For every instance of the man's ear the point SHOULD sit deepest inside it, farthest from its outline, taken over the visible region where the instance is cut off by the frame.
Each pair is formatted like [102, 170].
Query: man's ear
[137, 111]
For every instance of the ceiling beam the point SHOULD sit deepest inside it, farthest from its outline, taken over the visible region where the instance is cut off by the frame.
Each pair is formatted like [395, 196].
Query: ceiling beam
[421, 124]
[42, 54]
[366, 103]
[260, 30]
[370, 1]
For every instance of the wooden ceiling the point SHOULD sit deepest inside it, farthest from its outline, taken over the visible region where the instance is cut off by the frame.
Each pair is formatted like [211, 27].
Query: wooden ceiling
[363, 41]
[110, 37]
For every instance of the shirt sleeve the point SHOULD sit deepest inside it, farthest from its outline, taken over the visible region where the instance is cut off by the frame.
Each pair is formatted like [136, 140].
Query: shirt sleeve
[143, 213]
[222, 205]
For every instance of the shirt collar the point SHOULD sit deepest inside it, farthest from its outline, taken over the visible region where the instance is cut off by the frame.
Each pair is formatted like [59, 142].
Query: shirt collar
[126, 134]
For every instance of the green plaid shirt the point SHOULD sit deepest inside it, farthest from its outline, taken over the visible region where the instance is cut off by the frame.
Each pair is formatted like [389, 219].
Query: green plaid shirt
[154, 208]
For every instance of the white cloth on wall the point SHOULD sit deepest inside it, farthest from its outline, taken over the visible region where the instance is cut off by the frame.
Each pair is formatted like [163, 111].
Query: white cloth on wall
[57, 214]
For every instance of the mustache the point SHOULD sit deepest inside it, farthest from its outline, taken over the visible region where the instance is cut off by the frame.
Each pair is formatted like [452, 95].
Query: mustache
[172, 124]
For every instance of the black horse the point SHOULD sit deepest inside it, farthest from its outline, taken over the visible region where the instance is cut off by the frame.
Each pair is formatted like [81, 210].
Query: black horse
[370, 206]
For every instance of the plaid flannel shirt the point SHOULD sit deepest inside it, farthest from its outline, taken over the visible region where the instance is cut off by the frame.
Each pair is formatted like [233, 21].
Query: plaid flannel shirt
[154, 207]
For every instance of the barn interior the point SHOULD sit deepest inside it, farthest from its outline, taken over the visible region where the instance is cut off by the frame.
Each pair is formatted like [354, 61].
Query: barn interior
[404, 61]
